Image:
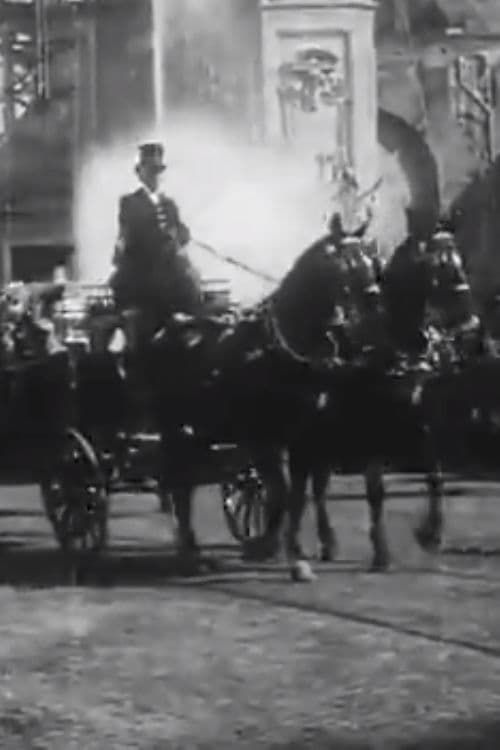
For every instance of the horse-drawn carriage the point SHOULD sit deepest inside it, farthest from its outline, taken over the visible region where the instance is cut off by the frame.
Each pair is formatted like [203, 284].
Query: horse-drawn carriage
[73, 421]
[262, 385]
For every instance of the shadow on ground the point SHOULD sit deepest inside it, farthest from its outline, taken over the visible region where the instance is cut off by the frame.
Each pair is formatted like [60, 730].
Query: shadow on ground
[136, 565]
[473, 735]
[128, 566]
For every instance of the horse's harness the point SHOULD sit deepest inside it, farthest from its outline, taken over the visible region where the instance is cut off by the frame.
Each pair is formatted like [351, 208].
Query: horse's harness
[278, 341]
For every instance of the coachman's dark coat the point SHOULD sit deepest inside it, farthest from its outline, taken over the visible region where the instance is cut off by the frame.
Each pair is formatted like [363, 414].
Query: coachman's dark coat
[152, 271]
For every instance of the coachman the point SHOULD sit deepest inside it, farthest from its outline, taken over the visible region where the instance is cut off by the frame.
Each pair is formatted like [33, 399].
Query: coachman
[153, 274]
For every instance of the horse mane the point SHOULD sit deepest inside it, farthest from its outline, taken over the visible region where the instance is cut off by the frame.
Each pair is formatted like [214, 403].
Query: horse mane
[303, 300]
[304, 268]
[405, 288]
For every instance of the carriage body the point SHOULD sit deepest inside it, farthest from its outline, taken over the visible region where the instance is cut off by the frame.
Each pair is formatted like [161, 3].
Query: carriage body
[37, 406]
[104, 440]
[110, 402]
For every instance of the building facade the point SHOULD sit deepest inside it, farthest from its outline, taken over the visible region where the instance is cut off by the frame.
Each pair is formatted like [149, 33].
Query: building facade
[301, 77]
[296, 73]
[73, 75]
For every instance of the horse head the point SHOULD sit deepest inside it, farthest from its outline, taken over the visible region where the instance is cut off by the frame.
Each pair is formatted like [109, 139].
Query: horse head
[326, 283]
[361, 276]
[450, 295]
[426, 285]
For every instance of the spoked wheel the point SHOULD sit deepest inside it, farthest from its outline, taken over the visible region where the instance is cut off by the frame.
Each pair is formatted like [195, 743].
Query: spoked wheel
[244, 504]
[75, 497]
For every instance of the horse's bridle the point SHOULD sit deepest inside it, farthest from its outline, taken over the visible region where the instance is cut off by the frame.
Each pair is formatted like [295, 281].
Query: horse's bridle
[279, 342]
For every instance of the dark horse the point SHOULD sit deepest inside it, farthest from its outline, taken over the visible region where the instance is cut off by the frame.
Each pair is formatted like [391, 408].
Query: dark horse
[254, 383]
[375, 410]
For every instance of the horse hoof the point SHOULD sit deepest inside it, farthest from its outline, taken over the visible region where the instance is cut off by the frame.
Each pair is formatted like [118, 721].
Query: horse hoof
[212, 565]
[297, 553]
[381, 565]
[302, 572]
[259, 550]
[252, 551]
[434, 545]
[189, 558]
[328, 553]
[429, 541]
[188, 566]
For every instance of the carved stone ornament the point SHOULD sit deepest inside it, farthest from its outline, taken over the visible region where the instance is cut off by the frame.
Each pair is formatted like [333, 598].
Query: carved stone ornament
[312, 80]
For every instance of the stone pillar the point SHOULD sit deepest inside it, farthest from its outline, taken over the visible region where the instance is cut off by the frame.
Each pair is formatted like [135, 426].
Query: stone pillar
[320, 81]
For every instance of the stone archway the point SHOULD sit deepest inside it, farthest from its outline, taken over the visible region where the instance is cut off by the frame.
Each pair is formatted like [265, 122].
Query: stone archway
[417, 163]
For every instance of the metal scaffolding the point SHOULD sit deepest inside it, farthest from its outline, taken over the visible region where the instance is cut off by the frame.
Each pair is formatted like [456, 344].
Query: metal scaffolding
[28, 53]
[72, 73]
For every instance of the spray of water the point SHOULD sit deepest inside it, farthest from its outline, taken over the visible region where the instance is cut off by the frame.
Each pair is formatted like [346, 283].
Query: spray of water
[260, 205]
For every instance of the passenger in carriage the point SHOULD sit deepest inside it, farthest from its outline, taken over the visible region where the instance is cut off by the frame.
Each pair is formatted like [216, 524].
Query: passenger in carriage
[27, 327]
[153, 274]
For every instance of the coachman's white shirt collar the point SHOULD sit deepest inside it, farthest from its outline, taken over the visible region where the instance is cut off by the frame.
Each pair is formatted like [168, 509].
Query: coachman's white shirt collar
[153, 196]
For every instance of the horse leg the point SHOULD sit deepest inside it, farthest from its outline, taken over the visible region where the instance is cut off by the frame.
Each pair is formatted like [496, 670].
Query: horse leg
[437, 435]
[326, 533]
[186, 542]
[375, 492]
[270, 466]
[429, 533]
[298, 500]
[175, 486]
[299, 466]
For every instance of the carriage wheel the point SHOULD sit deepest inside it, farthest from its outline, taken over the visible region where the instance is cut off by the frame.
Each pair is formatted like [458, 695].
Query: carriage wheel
[75, 497]
[244, 505]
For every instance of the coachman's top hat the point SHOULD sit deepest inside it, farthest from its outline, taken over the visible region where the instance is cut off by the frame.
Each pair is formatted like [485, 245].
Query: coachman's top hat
[151, 156]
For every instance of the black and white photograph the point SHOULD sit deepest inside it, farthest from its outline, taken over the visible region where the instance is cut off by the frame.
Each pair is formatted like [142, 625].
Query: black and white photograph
[250, 374]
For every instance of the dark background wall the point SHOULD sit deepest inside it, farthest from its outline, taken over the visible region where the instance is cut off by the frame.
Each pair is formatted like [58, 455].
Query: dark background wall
[212, 59]
[124, 88]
